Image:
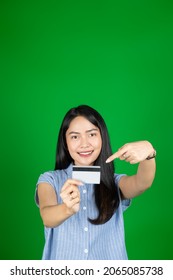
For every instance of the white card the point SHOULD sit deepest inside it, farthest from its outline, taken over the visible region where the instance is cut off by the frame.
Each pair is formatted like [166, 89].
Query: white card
[87, 174]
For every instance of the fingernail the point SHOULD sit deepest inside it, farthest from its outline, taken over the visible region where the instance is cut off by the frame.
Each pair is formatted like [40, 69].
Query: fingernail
[108, 160]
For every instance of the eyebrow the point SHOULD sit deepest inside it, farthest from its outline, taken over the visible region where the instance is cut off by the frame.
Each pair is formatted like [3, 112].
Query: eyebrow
[74, 132]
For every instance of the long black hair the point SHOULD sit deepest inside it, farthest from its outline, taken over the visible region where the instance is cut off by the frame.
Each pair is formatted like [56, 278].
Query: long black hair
[106, 193]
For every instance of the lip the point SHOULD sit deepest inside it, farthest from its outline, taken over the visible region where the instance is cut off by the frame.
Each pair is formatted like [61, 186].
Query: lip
[85, 153]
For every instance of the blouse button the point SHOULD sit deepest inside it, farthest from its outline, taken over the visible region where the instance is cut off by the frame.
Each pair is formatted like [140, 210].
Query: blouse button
[84, 191]
[85, 251]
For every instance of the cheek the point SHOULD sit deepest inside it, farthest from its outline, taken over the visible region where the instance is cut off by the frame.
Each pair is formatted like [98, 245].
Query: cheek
[99, 143]
[71, 146]
[68, 145]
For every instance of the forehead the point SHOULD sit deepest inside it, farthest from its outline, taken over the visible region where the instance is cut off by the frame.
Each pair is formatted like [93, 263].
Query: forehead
[81, 124]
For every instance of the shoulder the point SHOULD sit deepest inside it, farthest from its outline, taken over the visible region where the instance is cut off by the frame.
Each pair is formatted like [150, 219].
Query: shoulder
[48, 175]
[54, 177]
[118, 177]
[125, 203]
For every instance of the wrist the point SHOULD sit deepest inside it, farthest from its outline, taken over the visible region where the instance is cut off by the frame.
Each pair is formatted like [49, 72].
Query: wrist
[70, 212]
[151, 155]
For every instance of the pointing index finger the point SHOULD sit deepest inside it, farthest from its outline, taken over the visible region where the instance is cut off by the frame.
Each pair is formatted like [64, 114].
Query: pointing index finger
[118, 154]
[111, 158]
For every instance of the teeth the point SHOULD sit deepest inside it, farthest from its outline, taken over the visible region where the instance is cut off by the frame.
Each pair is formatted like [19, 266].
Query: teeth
[87, 153]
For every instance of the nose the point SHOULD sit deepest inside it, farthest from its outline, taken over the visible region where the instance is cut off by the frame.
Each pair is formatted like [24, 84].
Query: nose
[84, 142]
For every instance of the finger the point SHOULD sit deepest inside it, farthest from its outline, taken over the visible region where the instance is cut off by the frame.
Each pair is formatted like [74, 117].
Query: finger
[75, 201]
[74, 204]
[67, 196]
[74, 194]
[129, 158]
[71, 202]
[71, 189]
[134, 161]
[126, 156]
[72, 182]
[75, 182]
[111, 158]
[118, 154]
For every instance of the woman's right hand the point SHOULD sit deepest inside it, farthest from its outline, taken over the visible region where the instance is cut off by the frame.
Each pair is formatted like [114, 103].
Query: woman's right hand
[70, 195]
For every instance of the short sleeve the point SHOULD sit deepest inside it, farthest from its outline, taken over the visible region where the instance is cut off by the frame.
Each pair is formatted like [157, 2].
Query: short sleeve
[46, 177]
[125, 202]
[118, 177]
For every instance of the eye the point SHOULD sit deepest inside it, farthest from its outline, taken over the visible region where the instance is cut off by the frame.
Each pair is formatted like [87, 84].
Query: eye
[74, 137]
[92, 134]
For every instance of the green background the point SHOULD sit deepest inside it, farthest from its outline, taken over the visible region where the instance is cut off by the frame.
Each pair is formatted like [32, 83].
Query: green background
[115, 56]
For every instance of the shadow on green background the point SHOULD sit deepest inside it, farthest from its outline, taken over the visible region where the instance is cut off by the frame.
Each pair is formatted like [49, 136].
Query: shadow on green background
[115, 57]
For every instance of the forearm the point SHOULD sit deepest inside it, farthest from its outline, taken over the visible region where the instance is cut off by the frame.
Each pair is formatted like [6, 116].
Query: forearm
[145, 174]
[55, 215]
[132, 186]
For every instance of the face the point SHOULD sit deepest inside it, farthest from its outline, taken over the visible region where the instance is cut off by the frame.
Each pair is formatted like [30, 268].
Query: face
[83, 141]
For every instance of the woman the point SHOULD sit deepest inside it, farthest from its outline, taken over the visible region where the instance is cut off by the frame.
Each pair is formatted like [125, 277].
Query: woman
[85, 221]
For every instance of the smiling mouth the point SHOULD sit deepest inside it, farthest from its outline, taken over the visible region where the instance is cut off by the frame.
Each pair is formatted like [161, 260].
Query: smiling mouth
[85, 153]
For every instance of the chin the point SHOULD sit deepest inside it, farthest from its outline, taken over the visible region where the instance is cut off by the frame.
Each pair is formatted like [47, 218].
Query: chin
[84, 163]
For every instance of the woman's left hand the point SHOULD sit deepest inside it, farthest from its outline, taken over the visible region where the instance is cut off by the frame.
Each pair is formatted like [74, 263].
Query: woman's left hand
[134, 152]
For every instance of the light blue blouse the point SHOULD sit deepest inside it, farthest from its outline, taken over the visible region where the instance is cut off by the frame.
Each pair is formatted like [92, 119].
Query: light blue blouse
[77, 238]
